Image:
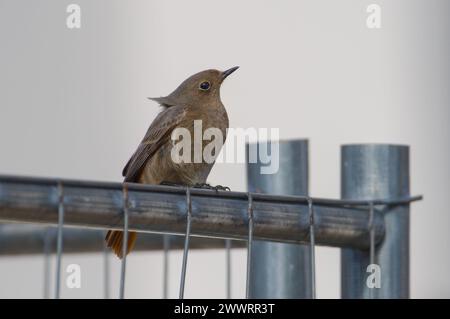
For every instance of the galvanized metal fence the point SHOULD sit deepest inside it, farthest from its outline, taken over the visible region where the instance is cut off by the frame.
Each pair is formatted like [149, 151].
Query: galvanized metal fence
[276, 219]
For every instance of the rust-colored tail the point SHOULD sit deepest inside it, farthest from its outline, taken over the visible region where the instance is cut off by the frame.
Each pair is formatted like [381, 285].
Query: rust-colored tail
[114, 240]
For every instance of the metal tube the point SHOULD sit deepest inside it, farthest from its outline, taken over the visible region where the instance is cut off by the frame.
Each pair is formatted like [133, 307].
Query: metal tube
[160, 209]
[378, 171]
[283, 270]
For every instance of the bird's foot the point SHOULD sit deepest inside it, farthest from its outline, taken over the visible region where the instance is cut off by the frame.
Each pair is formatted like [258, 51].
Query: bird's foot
[209, 186]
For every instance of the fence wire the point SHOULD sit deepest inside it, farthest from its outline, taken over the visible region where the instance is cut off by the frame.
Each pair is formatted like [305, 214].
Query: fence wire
[368, 204]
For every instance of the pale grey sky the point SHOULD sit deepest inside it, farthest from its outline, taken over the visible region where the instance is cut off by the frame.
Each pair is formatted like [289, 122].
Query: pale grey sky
[73, 104]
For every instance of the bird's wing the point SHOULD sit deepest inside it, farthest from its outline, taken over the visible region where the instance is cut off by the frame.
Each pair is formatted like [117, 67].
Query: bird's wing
[157, 134]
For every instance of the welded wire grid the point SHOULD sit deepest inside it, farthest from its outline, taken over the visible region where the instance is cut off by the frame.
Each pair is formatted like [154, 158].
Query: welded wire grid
[370, 204]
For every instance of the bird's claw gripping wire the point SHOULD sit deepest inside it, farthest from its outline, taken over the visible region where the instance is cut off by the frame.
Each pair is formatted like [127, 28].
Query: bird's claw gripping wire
[197, 185]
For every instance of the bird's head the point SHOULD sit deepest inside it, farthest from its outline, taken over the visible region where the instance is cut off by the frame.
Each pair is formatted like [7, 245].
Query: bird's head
[202, 88]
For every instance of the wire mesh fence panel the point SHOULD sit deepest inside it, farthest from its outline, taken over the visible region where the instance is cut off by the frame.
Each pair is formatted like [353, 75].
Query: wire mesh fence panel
[357, 223]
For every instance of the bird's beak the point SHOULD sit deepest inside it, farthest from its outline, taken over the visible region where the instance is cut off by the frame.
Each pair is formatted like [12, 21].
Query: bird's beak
[228, 72]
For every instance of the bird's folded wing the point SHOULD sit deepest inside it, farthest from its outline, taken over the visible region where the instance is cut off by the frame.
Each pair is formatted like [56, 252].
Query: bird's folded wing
[158, 133]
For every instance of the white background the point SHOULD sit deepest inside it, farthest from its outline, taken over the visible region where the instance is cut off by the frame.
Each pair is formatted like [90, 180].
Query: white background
[73, 104]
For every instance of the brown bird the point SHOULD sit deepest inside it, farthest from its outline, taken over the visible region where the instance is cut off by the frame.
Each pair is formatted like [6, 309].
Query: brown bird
[197, 98]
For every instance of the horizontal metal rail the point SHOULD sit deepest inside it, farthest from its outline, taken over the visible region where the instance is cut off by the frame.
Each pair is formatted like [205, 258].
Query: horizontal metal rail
[162, 209]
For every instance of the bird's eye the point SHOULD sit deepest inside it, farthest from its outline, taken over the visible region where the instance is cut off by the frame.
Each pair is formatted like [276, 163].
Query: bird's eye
[204, 86]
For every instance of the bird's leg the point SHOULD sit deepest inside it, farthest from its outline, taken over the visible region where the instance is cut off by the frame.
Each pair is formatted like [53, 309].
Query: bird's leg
[209, 186]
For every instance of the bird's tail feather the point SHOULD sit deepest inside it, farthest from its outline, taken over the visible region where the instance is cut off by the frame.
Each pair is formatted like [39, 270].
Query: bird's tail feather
[114, 240]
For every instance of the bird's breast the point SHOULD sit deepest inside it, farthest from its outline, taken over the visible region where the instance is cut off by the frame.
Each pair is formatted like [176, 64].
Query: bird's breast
[204, 135]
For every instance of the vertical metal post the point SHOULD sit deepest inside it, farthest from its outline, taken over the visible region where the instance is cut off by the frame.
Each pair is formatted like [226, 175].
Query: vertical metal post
[372, 241]
[106, 272]
[368, 172]
[280, 270]
[249, 245]
[228, 267]
[186, 242]
[312, 248]
[166, 247]
[47, 262]
[123, 264]
[59, 240]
